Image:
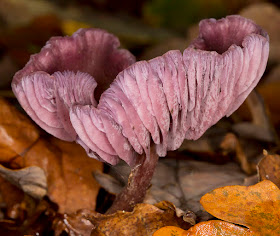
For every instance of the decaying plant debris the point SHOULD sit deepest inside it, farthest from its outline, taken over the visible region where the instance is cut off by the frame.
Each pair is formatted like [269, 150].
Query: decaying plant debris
[49, 186]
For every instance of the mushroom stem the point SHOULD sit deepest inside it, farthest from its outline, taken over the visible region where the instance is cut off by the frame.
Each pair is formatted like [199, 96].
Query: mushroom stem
[138, 182]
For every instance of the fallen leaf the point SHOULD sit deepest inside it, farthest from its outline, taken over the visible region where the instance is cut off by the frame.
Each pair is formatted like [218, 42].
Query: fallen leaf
[257, 206]
[32, 180]
[270, 93]
[37, 218]
[251, 180]
[145, 219]
[187, 216]
[269, 169]
[108, 182]
[7, 154]
[217, 228]
[66, 166]
[155, 194]
[231, 144]
[207, 147]
[49, 158]
[77, 168]
[75, 224]
[69, 173]
[260, 127]
[170, 231]
[10, 194]
[11, 121]
[210, 228]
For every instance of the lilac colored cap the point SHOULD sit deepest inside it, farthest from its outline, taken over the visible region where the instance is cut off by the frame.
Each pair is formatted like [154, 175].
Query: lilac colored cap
[68, 71]
[175, 96]
[169, 98]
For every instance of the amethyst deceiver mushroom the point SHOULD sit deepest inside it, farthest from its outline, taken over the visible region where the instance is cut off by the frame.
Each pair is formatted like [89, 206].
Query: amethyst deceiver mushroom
[68, 71]
[151, 106]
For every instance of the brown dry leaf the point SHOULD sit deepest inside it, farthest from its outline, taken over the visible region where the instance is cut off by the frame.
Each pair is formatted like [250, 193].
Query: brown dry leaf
[145, 219]
[261, 127]
[32, 180]
[69, 173]
[11, 195]
[75, 224]
[67, 168]
[108, 182]
[217, 228]
[269, 168]
[232, 144]
[271, 95]
[14, 142]
[257, 206]
[49, 158]
[77, 168]
[7, 154]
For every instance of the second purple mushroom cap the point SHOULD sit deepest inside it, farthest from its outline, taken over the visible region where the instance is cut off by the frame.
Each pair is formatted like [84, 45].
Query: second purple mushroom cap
[85, 88]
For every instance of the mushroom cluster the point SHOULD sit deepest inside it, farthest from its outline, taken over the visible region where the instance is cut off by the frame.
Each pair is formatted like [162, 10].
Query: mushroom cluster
[83, 88]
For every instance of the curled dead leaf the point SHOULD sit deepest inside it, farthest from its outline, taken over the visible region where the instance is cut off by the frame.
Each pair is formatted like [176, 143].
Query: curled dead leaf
[230, 144]
[75, 224]
[32, 180]
[269, 169]
[257, 206]
[145, 219]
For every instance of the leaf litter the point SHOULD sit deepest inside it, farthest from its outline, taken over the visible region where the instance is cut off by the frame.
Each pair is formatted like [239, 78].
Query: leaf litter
[67, 190]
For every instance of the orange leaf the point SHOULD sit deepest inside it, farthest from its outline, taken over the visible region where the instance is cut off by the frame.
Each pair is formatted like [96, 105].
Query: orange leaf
[217, 228]
[257, 206]
[170, 231]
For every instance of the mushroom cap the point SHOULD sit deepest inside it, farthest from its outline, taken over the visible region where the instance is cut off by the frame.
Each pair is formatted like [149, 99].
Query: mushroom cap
[174, 96]
[178, 96]
[67, 71]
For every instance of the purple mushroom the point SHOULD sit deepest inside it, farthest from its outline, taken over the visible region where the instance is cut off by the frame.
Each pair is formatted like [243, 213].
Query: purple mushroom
[151, 106]
[68, 71]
